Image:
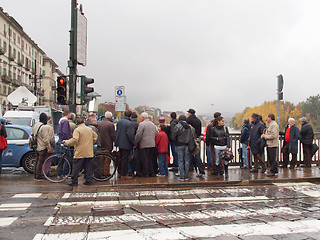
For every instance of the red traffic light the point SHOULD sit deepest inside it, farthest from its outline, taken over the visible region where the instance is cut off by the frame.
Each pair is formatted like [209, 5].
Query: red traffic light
[61, 81]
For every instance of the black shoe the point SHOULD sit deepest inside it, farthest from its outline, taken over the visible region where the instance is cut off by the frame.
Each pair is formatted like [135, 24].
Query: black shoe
[86, 183]
[264, 170]
[254, 171]
[271, 174]
[72, 184]
[305, 166]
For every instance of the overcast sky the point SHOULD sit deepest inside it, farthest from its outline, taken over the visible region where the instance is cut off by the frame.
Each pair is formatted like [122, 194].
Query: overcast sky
[208, 55]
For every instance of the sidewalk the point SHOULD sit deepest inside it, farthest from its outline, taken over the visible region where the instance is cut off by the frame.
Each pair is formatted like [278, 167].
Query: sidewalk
[20, 181]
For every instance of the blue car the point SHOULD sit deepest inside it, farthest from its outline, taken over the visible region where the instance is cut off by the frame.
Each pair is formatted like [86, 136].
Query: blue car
[18, 153]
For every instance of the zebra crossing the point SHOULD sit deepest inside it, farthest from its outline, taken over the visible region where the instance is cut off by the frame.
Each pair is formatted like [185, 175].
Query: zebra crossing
[282, 209]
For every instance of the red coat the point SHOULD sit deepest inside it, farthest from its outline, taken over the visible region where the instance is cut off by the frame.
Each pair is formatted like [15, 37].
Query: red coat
[162, 142]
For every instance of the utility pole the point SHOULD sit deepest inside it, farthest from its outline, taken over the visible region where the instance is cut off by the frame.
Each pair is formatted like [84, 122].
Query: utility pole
[35, 79]
[72, 63]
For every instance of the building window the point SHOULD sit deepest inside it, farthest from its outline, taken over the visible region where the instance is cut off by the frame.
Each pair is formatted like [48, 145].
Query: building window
[5, 30]
[14, 37]
[4, 46]
[22, 44]
[18, 39]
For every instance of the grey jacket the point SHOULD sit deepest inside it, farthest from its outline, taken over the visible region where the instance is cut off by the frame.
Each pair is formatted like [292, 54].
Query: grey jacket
[181, 133]
[146, 134]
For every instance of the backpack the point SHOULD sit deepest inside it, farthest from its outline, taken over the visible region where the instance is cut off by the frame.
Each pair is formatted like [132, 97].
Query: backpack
[33, 139]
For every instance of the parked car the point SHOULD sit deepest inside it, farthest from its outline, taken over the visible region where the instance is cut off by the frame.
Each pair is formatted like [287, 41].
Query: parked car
[18, 153]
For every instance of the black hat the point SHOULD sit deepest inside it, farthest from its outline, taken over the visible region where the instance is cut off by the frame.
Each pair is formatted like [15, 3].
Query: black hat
[43, 118]
[255, 115]
[191, 111]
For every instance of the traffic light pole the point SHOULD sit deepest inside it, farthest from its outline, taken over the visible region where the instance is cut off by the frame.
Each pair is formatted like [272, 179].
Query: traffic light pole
[73, 58]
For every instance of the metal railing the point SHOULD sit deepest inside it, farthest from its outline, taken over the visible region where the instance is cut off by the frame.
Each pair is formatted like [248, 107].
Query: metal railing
[235, 145]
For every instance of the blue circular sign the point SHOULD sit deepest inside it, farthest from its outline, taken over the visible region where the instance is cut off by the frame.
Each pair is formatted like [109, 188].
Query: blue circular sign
[119, 92]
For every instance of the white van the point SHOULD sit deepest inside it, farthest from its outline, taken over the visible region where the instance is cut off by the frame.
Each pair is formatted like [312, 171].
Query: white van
[20, 117]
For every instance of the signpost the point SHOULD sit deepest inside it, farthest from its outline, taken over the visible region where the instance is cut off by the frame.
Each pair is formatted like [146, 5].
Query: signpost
[120, 99]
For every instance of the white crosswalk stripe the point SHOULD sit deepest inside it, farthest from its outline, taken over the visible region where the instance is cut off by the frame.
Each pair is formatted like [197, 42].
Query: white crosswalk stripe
[7, 221]
[240, 230]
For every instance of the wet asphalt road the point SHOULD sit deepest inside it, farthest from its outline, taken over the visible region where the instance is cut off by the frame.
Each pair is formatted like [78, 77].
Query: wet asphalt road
[277, 211]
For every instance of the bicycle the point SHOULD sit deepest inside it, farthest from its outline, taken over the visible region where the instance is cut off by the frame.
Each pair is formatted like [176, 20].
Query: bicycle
[57, 167]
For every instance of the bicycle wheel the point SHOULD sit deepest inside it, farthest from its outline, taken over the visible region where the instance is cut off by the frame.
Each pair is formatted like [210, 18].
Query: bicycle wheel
[56, 168]
[103, 167]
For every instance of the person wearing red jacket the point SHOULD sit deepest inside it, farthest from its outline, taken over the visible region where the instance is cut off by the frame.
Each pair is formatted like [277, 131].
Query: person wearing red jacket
[162, 143]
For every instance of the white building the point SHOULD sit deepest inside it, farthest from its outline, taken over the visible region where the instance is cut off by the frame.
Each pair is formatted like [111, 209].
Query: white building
[22, 63]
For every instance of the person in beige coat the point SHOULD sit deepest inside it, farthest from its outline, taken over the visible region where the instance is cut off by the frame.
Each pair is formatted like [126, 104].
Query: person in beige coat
[83, 139]
[45, 143]
[272, 138]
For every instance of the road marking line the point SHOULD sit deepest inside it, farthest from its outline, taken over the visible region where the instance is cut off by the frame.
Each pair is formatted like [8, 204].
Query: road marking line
[312, 193]
[7, 221]
[165, 201]
[293, 184]
[27, 195]
[247, 229]
[66, 195]
[49, 221]
[169, 216]
[14, 206]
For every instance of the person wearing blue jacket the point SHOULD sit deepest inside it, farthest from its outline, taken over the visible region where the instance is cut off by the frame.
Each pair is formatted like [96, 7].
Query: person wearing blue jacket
[125, 141]
[255, 143]
[244, 140]
[290, 144]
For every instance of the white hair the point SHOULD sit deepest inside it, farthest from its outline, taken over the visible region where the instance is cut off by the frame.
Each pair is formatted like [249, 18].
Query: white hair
[291, 119]
[145, 115]
[108, 114]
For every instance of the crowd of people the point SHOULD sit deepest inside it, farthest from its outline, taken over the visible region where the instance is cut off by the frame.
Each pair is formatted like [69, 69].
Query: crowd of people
[257, 135]
[144, 148]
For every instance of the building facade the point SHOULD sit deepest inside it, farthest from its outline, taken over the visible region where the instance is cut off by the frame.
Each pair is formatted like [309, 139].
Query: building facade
[23, 63]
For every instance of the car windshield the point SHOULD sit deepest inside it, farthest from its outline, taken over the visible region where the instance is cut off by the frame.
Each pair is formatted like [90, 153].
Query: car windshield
[19, 121]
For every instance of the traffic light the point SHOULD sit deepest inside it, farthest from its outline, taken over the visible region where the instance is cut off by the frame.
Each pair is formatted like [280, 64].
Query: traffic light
[280, 87]
[62, 90]
[85, 89]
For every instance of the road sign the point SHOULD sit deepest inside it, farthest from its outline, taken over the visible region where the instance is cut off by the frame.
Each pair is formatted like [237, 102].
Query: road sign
[119, 91]
[120, 105]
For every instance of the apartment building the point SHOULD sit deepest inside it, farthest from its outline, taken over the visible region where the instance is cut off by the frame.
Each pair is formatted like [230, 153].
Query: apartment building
[23, 63]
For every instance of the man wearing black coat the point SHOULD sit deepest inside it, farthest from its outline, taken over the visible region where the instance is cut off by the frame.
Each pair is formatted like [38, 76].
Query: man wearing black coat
[174, 121]
[125, 141]
[306, 138]
[255, 143]
[196, 124]
[290, 144]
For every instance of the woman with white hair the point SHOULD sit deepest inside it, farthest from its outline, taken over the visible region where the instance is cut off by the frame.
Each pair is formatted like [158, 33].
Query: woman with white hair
[290, 144]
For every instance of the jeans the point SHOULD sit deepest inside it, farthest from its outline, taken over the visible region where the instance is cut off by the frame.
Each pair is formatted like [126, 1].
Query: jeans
[162, 162]
[183, 161]
[247, 162]
[209, 155]
[174, 155]
[217, 151]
